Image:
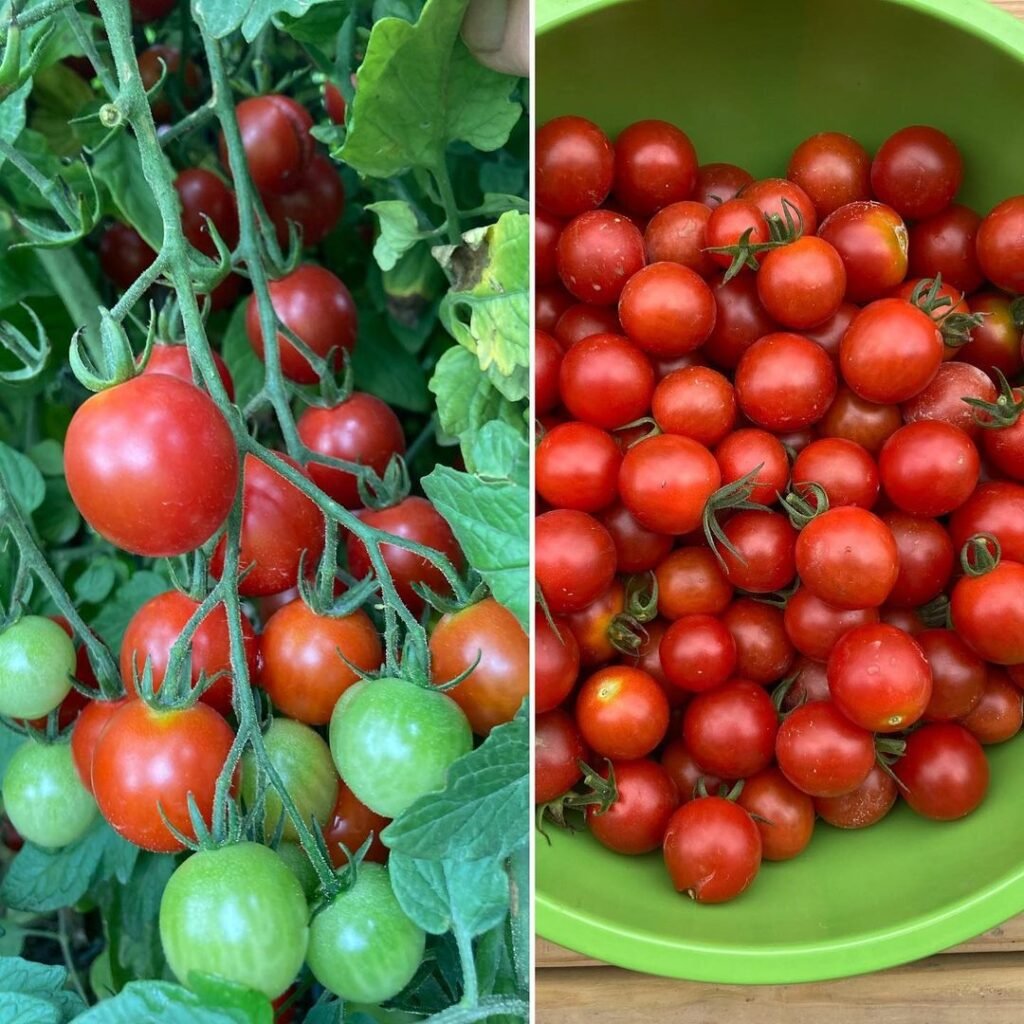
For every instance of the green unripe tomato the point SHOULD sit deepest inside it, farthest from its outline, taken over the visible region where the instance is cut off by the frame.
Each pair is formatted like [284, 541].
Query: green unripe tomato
[37, 660]
[43, 796]
[393, 741]
[237, 913]
[303, 760]
[299, 864]
[363, 946]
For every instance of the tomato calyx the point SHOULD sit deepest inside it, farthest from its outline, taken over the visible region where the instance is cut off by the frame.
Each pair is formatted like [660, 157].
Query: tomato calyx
[777, 599]
[936, 613]
[732, 497]
[119, 363]
[781, 692]
[652, 430]
[955, 328]
[782, 229]
[980, 554]
[725, 791]
[626, 631]
[594, 789]
[31, 356]
[888, 750]
[1004, 412]
[799, 507]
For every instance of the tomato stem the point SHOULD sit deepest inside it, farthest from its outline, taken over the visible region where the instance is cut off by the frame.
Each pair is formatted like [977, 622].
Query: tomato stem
[980, 555]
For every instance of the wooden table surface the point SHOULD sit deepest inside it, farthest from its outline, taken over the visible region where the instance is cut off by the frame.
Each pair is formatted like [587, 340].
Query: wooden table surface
[979, 982]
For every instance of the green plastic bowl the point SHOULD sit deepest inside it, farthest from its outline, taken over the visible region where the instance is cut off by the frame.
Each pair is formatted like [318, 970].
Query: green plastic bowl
[748, 80]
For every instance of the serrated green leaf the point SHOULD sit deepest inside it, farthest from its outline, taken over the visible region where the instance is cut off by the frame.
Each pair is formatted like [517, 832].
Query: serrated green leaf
[23, 479]
[21, 277]
[385, 368]
[57, 519]
[245, 366]
[18, 1008]
[319, 25]
[419, 89]
[484, 808]
[112, 619]
[49, 457]
[399, 231]
[96, 582]
[12, 113]
[161, 1002]
[118, 167]
[25, 978]
[218, 992]
[488, 307]
[222, 17]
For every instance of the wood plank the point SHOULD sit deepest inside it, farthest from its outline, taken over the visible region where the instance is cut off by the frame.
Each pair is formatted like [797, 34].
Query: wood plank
[968, 989]
[1015, 7]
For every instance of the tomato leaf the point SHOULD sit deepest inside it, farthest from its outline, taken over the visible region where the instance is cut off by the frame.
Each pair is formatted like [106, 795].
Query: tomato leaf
[111, 620]
[21, 277]
[489, 515]
[222, 17]
[399, 231]
[18, 1008]
[57, 520]
[9, 743]
[385, 368]
[28, 988]
[97, 581]
[480, 812]
[245, 366]
[118, 166]
[12, 113]
[218, 992]
[319, 25]
[23, 479]
[487, 309]
[419, 89]
[163, 1001]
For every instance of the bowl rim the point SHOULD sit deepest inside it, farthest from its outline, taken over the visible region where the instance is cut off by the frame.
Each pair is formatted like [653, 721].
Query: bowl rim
[870, 950]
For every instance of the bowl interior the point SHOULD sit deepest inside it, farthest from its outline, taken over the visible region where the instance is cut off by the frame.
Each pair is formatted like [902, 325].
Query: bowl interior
[747, 81]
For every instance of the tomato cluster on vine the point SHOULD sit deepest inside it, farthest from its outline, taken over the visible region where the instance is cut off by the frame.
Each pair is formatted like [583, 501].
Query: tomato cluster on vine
[780, 478]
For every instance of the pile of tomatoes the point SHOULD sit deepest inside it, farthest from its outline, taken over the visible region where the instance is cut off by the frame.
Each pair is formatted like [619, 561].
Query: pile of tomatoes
[780, 478]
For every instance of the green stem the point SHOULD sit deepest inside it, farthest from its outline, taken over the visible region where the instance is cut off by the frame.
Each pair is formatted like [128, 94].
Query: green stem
[92, 54]
[190, 123]
[39, 13]
[76, 291]
[443, 181]
[470, 985]
[65, 949]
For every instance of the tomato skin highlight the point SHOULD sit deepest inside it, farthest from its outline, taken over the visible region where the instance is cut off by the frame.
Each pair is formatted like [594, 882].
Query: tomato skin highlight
[636, 822]
[130, 457]
[655, 166]
[621, 712]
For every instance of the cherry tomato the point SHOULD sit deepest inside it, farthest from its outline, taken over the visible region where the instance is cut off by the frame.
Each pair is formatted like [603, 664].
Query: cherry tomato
[577, 466]
[998, 245]
[158, 61]
[151, 10]
[764, 542]
[829, 335]
[943, 774]
[678, 234]
[592, 626]
[697, 653]
[606, 381]
[666, 481]
[944, 244]
[763, 651]
[655, 166]
[814, 626]
[872, 242]
[988, 613]
[730, 730]
[276, 139]
[1003, 444]
[556, 662]
[712, 849]
[152, 465]
[546, 229]
[866, 805]
[547, 360]
[350, 825]
[777, 197]
[334, 103]
[148, 761]
[741, 320]
[996, 507]
[206, 199]
[413, 519]
[843, 469]
[784, 816]
[124, 255]
[691, 582]
[583, 321]
[917, 171]
[890, 352]
[637, 549]
[279, 523]
[697, 402]
[549, 304]
[758, 454]
[999, 714]
[37, 659]
[802, 284]
[996, 342]
[925, 554]
[735, 222]
[685, 772]
[636, 822]
[833, 169]
[315, 203]
[717, 183]
[574, 164]
[943, 398]
[598, 252]
[557, 750]
[809, 682]
[174, 361]
[91, 723]
[318, 308]
[575, 559]
[621, 712]
[958, 675]
[667, 309]
[822, 752]
[866, 423]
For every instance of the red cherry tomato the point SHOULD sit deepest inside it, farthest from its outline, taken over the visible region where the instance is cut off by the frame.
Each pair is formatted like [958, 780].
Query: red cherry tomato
[741, 320]
[577, 466]
[697, 653]
[777, 197]
[206, 199]
[667, 309]
[123, 254]
[546, 229]
[996, 342]
[735, 222]
[547, 359]
[598, 252]
[697, 402]
[574, 557]
[764, 653]
[1003, 444]
[829, 335]
[685, 772]
[334, 103]
[855, 419]
[574, 166]
[843, 469]
[944, 244]
[866, 805]
[958, 675]
[315, 203]
[89, 727]
[606, 381]
[622, 712]
[943, 398]
[996, 507]
[759, 455]
[833, 169]
[872, 242]
[925, 555]
[174, 361]
[636, 822]
[802, 284]
[691, 582]
[998, 715]
[988, 613]
[556, 662]
[763, 543]
[998, 245]
[637, 549]
[917, 171]
[943, 774]
[784, 816]
[276, 139]
[929, 468]
[165, 61]
[814, 626]
[718, 183]
[557, 750]
[582, 321]
[592, 626]
[655, 166]
[678, 234]
[731, 730]
[350, 825]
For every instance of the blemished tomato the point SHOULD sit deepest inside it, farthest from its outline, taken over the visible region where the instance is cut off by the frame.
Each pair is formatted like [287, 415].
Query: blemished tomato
[598, 252]
[43, 797]
[995, 507]
[685, 772]
[154, 628]
[577, 466]
[655, 166]
[592, 626]
[677, 234]
[622, 712]
[236, 912]
[637, 549]
[278, 523]
[999, 714]
[557, 750]
[833, 169]
[872, 241]
[998, 245]
[925, 554]
[712, 849]
[667, 309]
[165, 61]
[866, 805]
[697, 653]
[890, 352]
[943, 773]
[488, 635]
[917, 171]
[124, 254]
[848, 557]
[735, 222]
[740, 320]
[351, 823]
[785, 382]
[764, 653]
[37, 661]
[574, 557]
[802, 284]
[173, 360]
[943, 398]
[303, 763]
[317, 308]
[360, 429]
[691, 582]
[879, 677]
[958, 675]
[276, 139]
[148, 760]
[636, 822]
[394, 741]
[152, 465]
[855, 419]
[89, 726]
[581, 321]
[996, 342]
[606, 381]
[751, 451]
[305, 659]
[205, 199]
[814, 626]
[315, 204]
[417, 520]
[784, 816]
[717, 183]
[988, 613]
[547, 360]
[944, 244]
[666, 481]
[730, 731]
[764, 542]
[697, 402]
[929, 468]
[574, 165]
[556, 662]
[843, 469]
[363, 947]
[775, 197]
[822, 752]
[546, 229]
